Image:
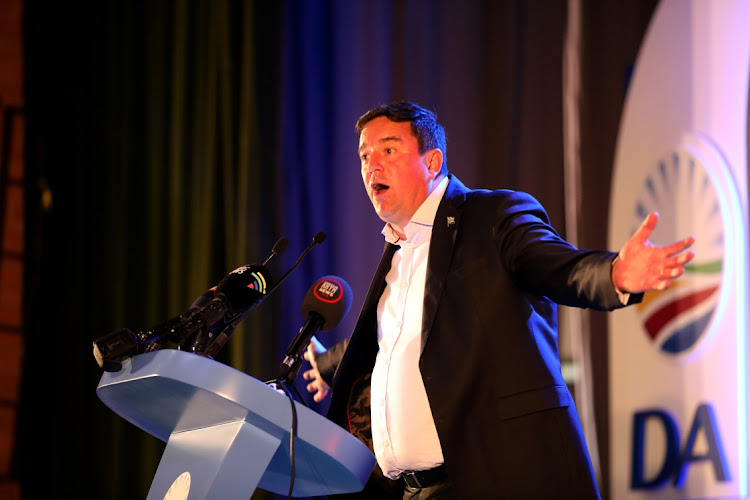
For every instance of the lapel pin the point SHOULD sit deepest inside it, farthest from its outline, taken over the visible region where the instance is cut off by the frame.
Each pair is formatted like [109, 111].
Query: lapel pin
[451, 221]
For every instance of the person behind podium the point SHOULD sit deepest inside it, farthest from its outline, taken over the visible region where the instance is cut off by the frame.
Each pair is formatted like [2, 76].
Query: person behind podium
[452, 373]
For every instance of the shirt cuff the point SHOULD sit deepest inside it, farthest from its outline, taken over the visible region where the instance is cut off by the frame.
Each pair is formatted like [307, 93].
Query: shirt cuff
[623, 296]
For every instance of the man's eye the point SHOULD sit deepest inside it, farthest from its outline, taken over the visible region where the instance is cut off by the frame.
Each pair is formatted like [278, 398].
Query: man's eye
[390, 150]
[363, 157]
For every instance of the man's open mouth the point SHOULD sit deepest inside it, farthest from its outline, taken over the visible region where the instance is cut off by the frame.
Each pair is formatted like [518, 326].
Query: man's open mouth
[378, 188]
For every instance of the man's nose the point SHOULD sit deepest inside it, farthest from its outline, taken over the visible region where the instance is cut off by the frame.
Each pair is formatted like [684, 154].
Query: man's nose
[374, 164]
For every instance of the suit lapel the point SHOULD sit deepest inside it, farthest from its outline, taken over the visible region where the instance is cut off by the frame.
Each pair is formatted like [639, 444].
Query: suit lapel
[378, 280]
[359, 357]
[444, 230]
[367, 321]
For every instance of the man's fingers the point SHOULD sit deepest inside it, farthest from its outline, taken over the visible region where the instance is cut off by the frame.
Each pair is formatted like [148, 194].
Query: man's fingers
[319, 392]
[646, 227]
[680, 260]
[674, 273]
[680, 246]
[686, 257]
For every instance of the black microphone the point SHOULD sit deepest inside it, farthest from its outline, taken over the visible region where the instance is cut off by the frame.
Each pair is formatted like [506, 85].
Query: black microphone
[317, 239]
[204, 341]
[113, 348]
[226, 329]
[325, 304]
[236, 295]
[278, 248]
[200, 321]
[238, 292]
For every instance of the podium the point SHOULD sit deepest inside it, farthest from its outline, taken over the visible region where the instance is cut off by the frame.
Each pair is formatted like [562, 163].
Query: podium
[228, 433]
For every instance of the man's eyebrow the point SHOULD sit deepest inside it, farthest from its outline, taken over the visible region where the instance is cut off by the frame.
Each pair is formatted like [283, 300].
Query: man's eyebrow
[390, 138]
[382, 140]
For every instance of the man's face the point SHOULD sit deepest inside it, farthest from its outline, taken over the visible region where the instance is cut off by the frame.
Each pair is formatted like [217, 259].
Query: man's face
[396, 176]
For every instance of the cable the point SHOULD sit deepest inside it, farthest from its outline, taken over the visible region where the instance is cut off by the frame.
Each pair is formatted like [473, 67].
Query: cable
[292, 432]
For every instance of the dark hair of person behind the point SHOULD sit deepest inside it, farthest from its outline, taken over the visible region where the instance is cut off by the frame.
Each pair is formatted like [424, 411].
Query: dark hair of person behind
[424, 125]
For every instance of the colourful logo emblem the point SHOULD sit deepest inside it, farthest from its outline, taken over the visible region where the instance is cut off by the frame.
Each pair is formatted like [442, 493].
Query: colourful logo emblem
[258, 283]
[679, 187]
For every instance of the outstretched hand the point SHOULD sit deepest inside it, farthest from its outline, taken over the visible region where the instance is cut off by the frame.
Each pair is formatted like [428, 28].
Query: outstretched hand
[642, 266]
[317, 386]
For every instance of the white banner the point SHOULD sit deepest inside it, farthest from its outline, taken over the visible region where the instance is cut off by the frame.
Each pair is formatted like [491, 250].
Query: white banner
[678, 361]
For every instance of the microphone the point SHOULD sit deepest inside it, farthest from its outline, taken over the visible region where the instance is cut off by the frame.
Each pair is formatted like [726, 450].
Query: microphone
[230, 323]
[236, 295]
[205, 320]
[278, 248]
[239, 291]
[113, 348]
[324, 306]
[317, 239]
[205, 341]
[204, 299]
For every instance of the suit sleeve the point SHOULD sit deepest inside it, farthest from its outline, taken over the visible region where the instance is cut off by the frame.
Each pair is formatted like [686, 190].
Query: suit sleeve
[542, 263]
[329, 360]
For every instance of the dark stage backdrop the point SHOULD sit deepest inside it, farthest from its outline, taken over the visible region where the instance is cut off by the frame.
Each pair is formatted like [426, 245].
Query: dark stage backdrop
[181, 139]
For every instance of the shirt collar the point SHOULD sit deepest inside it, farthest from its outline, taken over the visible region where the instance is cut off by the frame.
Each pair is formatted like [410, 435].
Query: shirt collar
[422, 220]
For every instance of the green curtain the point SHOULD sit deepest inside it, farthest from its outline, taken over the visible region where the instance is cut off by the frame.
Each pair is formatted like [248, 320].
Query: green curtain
[184, 158]
[157, 181]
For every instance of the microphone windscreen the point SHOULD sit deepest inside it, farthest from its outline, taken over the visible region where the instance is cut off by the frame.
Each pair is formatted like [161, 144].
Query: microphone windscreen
[280, 246]
[319, 237]
[244, 286]
[331, 298]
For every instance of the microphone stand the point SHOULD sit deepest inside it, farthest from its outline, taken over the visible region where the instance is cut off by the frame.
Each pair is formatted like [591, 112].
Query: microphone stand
[286, 380]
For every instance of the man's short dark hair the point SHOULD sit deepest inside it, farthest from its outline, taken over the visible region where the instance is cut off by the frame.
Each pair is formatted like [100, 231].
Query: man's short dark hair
[424, 125]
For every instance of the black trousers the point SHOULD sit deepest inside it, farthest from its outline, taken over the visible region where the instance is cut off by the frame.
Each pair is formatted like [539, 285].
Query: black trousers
[438, 491]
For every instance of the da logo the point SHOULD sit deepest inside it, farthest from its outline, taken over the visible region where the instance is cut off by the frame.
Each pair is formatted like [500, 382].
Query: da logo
[180, 488]
[681, 188]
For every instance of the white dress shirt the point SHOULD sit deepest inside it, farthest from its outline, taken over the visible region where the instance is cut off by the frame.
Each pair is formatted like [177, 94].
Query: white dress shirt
[403, 430]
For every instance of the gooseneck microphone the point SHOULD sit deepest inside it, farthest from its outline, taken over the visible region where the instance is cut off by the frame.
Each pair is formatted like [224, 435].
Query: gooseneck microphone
[278, 248]
[324, 306]
[226, 329]
[317, 239]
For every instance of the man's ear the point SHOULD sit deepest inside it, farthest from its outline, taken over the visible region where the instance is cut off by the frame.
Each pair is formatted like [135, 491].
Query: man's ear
[434, 161]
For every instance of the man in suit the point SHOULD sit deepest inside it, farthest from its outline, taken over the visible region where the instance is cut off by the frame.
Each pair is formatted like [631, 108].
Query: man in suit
[452, 374]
